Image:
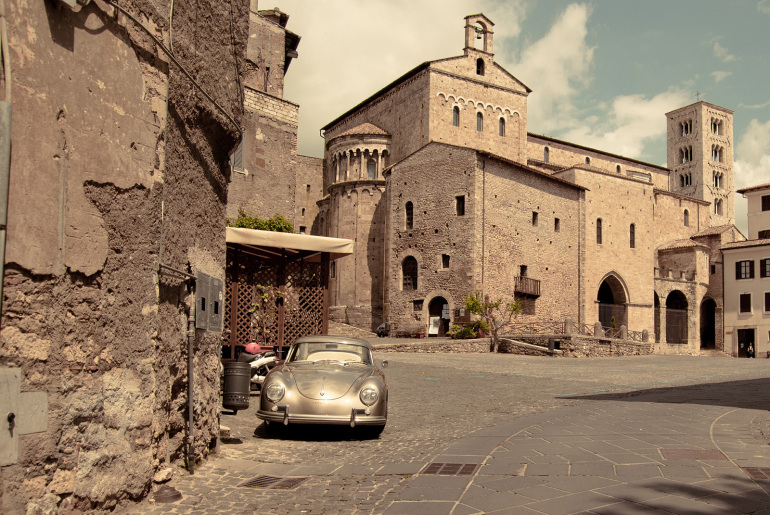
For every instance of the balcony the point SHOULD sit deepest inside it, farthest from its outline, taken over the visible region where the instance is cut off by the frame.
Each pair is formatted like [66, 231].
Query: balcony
[526, 286]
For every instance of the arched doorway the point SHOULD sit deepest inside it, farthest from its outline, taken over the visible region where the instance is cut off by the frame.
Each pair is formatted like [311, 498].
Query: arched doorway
[708, 331]
[657, 318]
[438, 316]
[676, 317]
[612, 303]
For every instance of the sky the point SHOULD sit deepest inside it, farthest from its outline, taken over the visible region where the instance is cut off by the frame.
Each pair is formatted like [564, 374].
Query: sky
[603, 73]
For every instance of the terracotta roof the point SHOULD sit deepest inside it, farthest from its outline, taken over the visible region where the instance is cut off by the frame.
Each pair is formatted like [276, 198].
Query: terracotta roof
[710, 231]
[754, 188]
[681, 244]
[368, 129]
[746, 244]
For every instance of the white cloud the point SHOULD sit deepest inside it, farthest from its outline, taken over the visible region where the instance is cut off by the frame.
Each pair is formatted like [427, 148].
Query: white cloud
[719, 76]
[629, 124]
[556, 67]
[722, 53]
[752, 164]
[351, 49]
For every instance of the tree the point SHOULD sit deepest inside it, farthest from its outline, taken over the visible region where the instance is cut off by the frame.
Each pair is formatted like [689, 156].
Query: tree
[277, 223]
[498, 315]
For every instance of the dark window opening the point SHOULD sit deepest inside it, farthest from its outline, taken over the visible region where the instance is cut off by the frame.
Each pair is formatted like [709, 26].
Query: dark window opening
[767, 301]
[456, 116]
[522, 270]
[534, 218]
[479, 66]
[460, 205]
[745, 303]
[632, 236]
[479, 122]
[764, 267]
[409, 215]
[546, 154]
[333, 270]
[556, 224]
[502, 127]
[444, 260]
[765, 202]
[409, 270]
[713, 269]
[764, 235]
[598, 231]
[302, 229]
[417, 305]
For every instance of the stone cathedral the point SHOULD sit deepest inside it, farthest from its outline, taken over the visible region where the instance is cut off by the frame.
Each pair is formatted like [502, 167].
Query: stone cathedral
[445, 192]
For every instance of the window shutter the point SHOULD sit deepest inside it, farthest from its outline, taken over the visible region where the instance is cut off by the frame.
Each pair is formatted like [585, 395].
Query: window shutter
[737, 269]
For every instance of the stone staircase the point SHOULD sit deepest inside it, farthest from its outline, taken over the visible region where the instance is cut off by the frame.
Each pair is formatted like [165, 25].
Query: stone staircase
[338, 328]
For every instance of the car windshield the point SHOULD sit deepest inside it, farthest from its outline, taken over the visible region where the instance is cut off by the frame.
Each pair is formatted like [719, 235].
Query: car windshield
[330, 352]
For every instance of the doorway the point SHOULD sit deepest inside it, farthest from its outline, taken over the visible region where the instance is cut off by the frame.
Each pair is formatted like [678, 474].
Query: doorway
[438, 313]
[745, 338]
[708, 324]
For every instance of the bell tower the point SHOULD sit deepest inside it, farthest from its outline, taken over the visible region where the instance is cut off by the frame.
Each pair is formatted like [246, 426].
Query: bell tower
[700, 157]
[478, 28]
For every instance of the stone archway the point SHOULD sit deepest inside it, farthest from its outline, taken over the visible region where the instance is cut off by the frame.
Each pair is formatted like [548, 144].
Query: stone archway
[708, 331]
[676, 317]
[612, 303]
[438, 308]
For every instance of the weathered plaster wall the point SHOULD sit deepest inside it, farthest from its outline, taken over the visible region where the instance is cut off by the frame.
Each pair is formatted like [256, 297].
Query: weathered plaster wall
[100, 170]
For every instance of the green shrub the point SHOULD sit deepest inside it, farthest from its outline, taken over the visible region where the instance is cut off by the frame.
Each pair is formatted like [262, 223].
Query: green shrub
[277, 223]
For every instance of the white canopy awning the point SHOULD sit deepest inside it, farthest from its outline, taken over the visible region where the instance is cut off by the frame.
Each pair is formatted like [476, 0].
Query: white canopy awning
[273, 245]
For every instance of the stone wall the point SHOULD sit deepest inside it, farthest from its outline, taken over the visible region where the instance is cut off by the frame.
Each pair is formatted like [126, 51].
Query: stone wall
[102, 178]
[578, 346]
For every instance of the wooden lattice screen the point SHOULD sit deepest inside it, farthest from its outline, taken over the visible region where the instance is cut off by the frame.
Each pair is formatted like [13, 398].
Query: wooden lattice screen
[301, 313]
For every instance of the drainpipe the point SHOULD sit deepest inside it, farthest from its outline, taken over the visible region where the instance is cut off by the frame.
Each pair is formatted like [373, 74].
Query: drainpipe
[190, 371]
[5, 144]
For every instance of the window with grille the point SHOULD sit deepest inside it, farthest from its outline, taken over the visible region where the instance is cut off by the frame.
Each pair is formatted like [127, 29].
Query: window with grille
[409, 271]
[501, 129]
[744, 269]
[456, 116]
[479, 122]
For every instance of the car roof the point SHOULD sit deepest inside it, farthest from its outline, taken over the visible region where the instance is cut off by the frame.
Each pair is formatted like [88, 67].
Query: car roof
[328, 338]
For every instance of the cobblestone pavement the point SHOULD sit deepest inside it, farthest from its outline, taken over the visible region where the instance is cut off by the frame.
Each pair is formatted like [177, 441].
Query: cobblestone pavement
[544, 435]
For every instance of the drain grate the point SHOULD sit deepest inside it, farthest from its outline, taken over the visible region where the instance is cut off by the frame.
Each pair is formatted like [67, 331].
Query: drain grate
[275, 483]
[761, 473]
[692, 454]
[450, 469]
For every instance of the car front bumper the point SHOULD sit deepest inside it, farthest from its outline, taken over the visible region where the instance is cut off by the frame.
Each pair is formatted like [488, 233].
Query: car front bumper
[357, 417]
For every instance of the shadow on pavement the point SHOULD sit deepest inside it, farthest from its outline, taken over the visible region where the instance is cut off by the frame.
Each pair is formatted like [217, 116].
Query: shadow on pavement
[750, 394]
[315, 433]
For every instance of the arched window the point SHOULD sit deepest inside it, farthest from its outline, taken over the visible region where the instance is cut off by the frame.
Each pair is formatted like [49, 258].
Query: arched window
[501, 127]
[546, 154]
[632, 236]
[409, 271]
[686, 218]
[479, 66]
[718, 206]
[456, 116]
[409, 215]
[588, 160]
[617, 169]
[479, 122]
[371, 168]
[598, 231]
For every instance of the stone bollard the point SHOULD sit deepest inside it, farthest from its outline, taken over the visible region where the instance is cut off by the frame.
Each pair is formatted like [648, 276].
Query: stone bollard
[623, 332]
[645, 336]
[568, 323]
[598, 330]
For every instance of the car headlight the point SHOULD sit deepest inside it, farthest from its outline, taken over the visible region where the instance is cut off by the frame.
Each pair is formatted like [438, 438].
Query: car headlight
[369, 395]
[274, 392]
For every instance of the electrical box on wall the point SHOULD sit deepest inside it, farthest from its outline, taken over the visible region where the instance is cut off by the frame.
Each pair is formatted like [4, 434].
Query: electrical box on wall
[209, 304]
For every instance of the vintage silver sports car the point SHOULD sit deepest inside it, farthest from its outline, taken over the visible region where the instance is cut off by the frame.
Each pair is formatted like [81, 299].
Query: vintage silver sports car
[326, 380]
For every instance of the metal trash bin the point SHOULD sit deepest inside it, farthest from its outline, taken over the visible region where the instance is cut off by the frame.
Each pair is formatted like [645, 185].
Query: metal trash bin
[235, 394]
